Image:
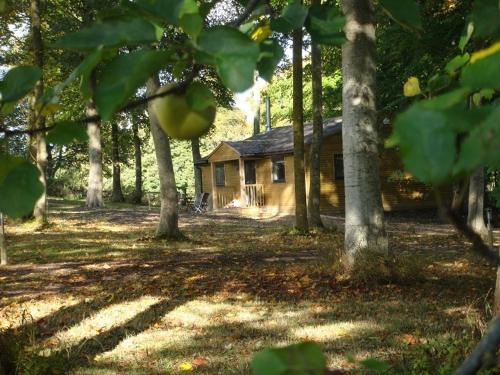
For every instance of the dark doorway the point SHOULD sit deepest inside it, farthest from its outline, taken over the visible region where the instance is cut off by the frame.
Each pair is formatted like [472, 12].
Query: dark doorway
[250, 176]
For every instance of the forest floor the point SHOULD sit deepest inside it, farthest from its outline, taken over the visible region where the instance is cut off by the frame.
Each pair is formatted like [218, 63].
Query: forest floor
[94, 293]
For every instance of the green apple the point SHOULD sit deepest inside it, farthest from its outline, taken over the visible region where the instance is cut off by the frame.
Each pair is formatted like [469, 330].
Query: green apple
[178, 120]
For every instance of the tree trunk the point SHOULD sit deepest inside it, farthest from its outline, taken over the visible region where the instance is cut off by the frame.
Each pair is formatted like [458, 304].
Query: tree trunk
[168, 226]
[137, 198]
[3, 247]
[301, 222]
[317, 138]
[364, 215]
[40, 210]
[94, 190]
[117, 194]
[475, 215]
[195, 150]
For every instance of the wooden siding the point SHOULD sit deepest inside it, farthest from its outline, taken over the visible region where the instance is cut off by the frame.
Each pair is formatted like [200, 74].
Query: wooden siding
[399, 191]
[223, 195]
[206, 179]
[278, 196]
[223, 152]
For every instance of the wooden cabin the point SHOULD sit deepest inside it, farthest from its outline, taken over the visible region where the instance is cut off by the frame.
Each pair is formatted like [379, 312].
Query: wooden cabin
[255, 175]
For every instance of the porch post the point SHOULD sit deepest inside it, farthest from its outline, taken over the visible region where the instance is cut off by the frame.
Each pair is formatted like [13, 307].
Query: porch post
[243, 197]
[214, 198]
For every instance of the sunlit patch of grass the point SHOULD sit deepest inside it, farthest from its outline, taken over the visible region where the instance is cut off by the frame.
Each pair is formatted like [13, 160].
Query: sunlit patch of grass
[16, 314]
[334, 331]
[102, 321]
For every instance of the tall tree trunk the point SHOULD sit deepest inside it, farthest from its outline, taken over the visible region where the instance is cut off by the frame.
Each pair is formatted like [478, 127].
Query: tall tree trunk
[40, 210]
[317, 138]
[168, 226]
[3, 246]
[195, 150]
[364, 215]
[475, 215]
[301, 222]
[94, 190]
[137, 198]
[117, 194]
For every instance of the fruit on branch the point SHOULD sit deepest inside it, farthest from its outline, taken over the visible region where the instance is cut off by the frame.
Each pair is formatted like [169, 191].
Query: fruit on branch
[178, 119]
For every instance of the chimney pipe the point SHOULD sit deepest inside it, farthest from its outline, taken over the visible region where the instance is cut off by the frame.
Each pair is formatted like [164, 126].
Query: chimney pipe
[268, 114]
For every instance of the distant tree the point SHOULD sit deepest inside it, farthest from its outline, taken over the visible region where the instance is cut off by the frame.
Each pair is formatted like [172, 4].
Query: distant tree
[117, 193]
[137, 196]
[364, 215]
[95, 181]
[301, 221]
[475, 213]
[317, 138]
[37, 117]
[3, 247]
[195, 150]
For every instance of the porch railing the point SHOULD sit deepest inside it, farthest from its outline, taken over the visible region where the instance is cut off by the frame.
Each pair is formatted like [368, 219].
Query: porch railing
[254, 195]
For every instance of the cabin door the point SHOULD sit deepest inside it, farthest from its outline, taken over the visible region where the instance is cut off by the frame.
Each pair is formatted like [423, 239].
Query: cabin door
[250, 176]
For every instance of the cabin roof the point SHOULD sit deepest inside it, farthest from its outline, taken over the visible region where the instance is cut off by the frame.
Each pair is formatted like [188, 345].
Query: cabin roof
[277, 141]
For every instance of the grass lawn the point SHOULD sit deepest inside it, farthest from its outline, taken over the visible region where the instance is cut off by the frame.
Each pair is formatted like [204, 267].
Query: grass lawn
[95, 294]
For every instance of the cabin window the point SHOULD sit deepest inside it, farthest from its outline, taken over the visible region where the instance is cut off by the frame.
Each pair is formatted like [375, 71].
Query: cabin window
[338, 166]
[278, 169]
[250, 176]
[220, 178]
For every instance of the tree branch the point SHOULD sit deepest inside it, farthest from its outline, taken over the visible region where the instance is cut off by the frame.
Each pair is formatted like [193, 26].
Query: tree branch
[252, 4]
[180, 87]
[484, 355]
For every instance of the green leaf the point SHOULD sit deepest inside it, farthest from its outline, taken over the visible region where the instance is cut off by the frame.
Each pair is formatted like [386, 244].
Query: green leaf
[427, 144]
[3, 5]
[325, 24]
[83, 70]
[295, 14]
[270, 56]
[375, 365]
[447, 100]
[67, 132]
[114, 33]
[483, 73]
[486, 18]
[438, 82]
[192, 24]
[292, 17]
[178, 68]
[466, 35]
[404, 12]
[20, 186]
[303, 358]
[18, 82]
[235, 55]
[199, 96]
[456, 63]
[480, 147]
[123, 75]
[190, 19]
[168, 10]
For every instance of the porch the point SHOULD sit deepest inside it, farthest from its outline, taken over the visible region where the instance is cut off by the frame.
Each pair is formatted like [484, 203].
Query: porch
[234, 185]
